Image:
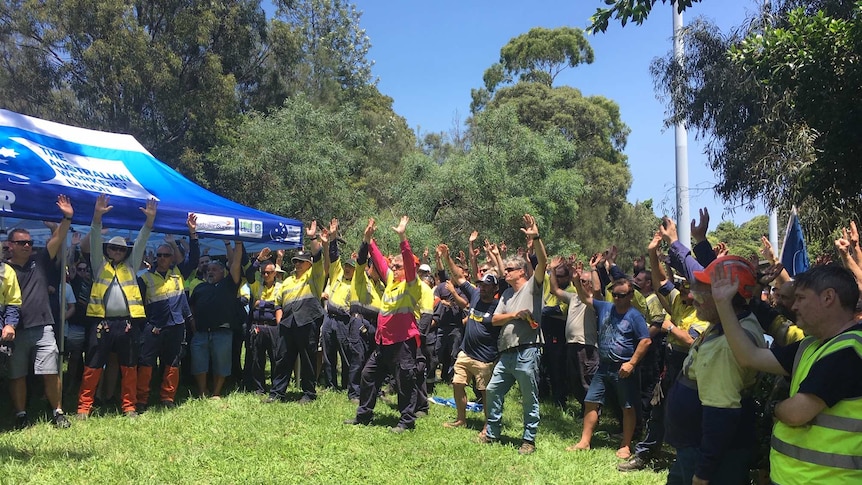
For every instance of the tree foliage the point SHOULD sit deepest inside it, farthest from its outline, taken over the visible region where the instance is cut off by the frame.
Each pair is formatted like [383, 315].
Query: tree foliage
[778, 102]
[624, 10]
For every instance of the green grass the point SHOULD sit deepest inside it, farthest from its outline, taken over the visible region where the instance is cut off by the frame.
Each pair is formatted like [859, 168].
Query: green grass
[238, 439]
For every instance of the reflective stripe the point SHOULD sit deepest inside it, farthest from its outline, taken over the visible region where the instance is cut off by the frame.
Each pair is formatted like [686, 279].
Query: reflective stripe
[397, 311]
[817, 457]
[838, 422]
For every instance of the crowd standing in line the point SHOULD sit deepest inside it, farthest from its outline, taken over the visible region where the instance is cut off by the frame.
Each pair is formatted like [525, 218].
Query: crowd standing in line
[702, 350]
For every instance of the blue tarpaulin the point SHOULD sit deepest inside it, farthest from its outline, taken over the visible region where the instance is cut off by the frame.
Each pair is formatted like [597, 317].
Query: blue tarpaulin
[41, 159]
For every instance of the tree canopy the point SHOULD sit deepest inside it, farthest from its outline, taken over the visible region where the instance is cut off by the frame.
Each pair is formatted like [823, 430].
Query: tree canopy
[624, 10]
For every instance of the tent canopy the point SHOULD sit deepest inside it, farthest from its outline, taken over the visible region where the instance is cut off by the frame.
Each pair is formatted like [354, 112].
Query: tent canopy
[41, 159]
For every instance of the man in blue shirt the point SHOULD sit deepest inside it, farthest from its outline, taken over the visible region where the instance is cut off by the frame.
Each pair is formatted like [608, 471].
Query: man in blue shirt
[623, 342]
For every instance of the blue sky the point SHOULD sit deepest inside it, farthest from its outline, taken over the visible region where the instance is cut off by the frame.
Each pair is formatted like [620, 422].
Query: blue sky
[428, 55]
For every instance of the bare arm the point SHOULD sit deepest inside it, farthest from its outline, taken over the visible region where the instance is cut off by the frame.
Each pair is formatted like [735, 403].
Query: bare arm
[474, 253]
[724, 288]
[454, 270]
[800, 409]
[236, 262]
[552, 279]
[532, 231]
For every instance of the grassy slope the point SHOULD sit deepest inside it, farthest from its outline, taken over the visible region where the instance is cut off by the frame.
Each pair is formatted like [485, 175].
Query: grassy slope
[241, 440]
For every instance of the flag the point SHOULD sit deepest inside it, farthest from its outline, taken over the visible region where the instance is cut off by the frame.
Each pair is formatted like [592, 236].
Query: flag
[794, 254]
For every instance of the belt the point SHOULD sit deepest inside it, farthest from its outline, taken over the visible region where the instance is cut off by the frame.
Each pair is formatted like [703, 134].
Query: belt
[522, 347]
[268, 323]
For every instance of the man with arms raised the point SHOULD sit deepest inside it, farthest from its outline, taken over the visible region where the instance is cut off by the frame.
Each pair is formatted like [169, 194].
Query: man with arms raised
[519, 314]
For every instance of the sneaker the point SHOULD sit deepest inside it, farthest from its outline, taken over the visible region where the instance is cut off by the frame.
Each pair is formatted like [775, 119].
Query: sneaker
[398, 429]
[168, 404]
[421, 414]
[634, 463]
[60, 421]
[22, 422]
[82, 416]
[305, 400]
[141, 407]
[527, 448]
[354, 421]
[354, 400]
[271, 399]
[131, 414]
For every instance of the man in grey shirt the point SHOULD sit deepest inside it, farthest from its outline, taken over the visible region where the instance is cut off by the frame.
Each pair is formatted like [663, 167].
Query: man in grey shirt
[519, 313]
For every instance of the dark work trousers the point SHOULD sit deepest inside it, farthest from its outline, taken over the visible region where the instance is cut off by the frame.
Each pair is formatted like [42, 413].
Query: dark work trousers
[651, 443]
[360, 344]
[582, 361]
[167, 347]
[236, 369]
[553, 362]
[448, 346]
[400, 361]
[334, 337]
[433, 361]
[650, 368]
[295, 342]
[119, 335]
[423, 355]
[261, 343]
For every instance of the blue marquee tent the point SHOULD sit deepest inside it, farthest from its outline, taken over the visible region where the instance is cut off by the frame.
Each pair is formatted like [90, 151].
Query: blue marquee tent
[41, 159]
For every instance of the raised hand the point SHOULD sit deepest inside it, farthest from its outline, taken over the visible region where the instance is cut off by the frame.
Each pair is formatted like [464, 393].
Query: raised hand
[770, 273]
[311, 230]
[333, 228]
[76, 238]
[766, 249]
[596, 260]
[65, 206]
[530, 229]
[721, 250]
[724, 286]
[150, 211]
[265, 253]
[473, 236]
[102, 206]
[668, 230]
[698, 231]
[325, 236]
[556, 262]
[368, 233]
[656, 241]
[442, 251]
[842, 245]
[401, 228]
[192, 223]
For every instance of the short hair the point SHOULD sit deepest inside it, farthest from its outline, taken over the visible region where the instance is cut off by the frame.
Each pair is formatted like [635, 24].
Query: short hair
[840, 279]
[621, 281]
[18, 230]
[217, 263]
[516, 260]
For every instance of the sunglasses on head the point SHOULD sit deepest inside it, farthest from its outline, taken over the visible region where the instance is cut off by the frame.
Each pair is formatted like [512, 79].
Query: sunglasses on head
[23, 243]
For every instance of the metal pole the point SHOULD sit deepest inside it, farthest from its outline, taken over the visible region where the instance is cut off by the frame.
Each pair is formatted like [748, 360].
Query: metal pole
[773, 231]
[682, 199]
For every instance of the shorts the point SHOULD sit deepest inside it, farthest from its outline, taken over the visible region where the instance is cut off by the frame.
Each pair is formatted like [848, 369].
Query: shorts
[607, 375]
[76, 339]
[36, 347]
[467, 367]
[214, 345]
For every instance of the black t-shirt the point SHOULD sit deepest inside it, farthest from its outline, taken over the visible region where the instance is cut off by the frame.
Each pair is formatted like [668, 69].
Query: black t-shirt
[214, 305]
[34, 278]
[833, 378]
[480, 335]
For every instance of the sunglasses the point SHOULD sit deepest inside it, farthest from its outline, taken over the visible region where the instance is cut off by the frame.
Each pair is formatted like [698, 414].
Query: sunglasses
[163, 255]
[82, 268]
[23, 243]
[117, 248]
[507, 270]
[397, 266]
[620, 295]
[587, 282]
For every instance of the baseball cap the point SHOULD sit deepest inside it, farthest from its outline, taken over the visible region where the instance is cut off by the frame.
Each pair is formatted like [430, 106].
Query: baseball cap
[739, 268]
[301, 256]
[489, 279]
[425, 267]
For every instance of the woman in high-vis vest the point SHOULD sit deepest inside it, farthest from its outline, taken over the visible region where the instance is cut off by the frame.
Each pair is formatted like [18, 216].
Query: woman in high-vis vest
[117, 306]
[818, 432]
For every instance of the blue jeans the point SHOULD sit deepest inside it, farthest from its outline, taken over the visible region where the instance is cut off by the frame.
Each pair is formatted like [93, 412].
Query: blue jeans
[521, 365]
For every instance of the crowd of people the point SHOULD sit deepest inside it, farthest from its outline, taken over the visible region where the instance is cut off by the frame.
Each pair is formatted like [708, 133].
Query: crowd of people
[696, 348]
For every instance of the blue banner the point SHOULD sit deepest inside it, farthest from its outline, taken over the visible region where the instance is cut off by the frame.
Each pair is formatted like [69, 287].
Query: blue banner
[794, 254]
[41, 159]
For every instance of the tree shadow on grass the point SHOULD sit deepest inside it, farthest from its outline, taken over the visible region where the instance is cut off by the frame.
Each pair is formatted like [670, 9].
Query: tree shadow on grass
[11, 453]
